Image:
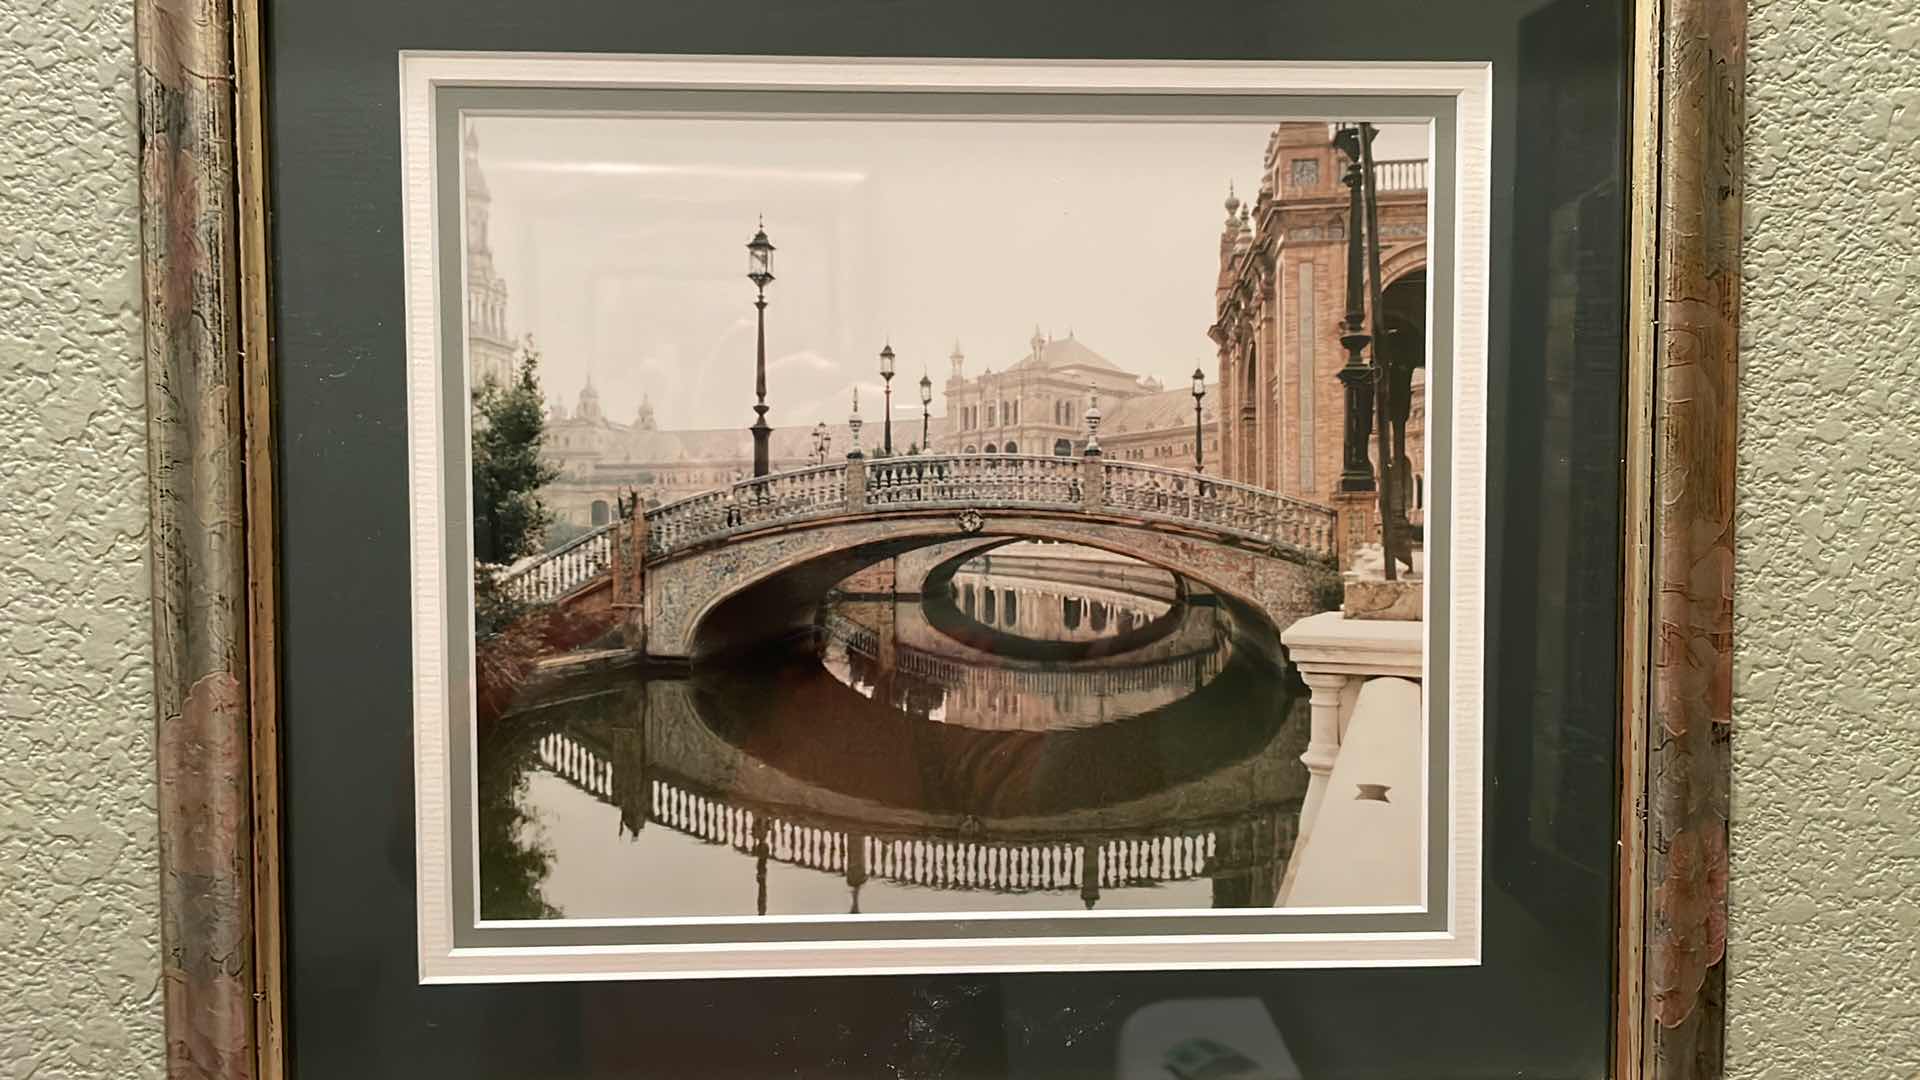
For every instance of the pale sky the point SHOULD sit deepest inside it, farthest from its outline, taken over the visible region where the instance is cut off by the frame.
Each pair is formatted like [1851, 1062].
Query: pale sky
[623, 244]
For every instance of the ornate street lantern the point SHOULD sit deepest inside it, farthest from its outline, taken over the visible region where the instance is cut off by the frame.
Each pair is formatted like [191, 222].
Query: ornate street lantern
[1199, 392]
[886, 378]
[926, 411]
[760, 272]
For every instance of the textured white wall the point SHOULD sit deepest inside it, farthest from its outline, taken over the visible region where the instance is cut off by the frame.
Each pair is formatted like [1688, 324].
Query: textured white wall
[1825, 927]
[1826, 886]
[79, 951]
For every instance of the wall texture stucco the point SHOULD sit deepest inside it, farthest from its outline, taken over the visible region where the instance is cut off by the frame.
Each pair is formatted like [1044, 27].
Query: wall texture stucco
[79, 947]
[1825, 937]
[1825, 923]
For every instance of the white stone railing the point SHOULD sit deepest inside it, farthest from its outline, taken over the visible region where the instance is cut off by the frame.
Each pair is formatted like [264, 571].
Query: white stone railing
[1243, 510]
[554, 574]
[993, 480]
[747, 504]
[1404, 175]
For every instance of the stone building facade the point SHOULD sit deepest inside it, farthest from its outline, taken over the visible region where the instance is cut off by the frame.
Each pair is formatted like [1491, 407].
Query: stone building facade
[1280, 299]
[1038, 404]
[601, 459]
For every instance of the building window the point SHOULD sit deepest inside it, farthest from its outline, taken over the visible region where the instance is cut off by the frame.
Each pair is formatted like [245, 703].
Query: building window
[601, 513]
[990, 419]
[971, 449]
[1062, 448]
[991, 448]
[1012, 447]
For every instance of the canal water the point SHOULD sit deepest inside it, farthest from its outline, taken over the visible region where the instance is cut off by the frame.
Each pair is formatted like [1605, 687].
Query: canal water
[1040, 728]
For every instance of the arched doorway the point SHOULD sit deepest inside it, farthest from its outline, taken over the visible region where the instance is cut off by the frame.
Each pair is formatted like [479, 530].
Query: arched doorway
[1403, 305]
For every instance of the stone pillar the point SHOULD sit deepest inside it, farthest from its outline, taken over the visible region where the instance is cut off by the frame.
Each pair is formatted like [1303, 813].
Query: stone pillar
[1356, 523]
[856, 483]
[1093, 481]
[630, 581]
[1323, 744]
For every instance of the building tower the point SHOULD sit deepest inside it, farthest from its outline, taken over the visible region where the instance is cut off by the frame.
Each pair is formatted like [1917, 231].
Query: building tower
[489, 346]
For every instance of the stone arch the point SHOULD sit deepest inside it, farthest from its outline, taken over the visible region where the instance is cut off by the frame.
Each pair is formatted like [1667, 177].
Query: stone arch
[788, 571]
[992, 448]
[1063, 448]
[1011, 447]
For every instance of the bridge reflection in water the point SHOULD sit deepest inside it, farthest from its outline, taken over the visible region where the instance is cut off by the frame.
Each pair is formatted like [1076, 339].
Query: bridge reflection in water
[910, 757]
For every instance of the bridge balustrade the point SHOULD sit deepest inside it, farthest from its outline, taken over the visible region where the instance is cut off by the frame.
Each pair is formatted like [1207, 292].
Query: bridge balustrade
[993, 480]
[558, 572]
[768, 500]
[925, 481]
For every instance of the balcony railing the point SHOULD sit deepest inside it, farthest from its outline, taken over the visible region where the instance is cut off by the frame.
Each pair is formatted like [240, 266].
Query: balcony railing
[1400, 175]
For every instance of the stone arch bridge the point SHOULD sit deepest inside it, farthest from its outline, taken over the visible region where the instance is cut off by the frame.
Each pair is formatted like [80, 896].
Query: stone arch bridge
[729, 567]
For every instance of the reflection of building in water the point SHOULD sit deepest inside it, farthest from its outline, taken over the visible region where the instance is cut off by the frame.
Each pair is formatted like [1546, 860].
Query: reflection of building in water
[1280, 299]
[1046, 612]
[957, 686]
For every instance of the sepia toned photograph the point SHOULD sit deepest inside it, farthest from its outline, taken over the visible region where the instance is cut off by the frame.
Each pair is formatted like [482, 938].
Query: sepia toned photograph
[930, 516]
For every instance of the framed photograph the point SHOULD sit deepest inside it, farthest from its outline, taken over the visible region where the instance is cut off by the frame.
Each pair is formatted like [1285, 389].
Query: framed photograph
[1023, 686]
[888, 539]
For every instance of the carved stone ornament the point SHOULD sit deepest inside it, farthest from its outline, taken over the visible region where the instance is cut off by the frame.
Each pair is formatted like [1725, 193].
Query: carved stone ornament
[970, 521]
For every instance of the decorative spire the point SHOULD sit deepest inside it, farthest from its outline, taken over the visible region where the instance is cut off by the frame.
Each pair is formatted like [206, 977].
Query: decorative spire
[1233, 205]
[854, 423]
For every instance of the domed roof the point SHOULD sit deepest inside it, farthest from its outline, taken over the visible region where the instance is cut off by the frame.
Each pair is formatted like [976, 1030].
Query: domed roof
[1062, 354]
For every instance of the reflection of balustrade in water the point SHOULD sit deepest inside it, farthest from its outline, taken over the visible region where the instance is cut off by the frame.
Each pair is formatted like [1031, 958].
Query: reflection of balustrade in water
[931, 861]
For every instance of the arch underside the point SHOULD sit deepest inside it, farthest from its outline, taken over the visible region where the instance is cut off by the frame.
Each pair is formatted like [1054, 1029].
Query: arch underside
[760, 587]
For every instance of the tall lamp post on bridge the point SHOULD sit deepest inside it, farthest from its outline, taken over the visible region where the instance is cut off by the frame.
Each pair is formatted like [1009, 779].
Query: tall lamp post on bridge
[1199, 392]
[926, 412]
[886, 378]
[822, 439]
[760, 272]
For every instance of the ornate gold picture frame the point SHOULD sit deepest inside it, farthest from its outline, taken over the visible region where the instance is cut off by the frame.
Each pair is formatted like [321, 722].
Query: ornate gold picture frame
[205, 225]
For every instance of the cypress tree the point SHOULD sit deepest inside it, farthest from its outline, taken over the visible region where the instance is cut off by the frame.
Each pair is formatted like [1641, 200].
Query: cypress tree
[509, 520]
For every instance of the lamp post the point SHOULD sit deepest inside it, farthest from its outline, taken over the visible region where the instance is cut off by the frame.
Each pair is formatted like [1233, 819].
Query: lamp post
[926, 412]
[1093, 421]
[821, 440]
[760, 272]
[886, 378]
[1356, 472]
[1391, 530]
[1199, 392]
